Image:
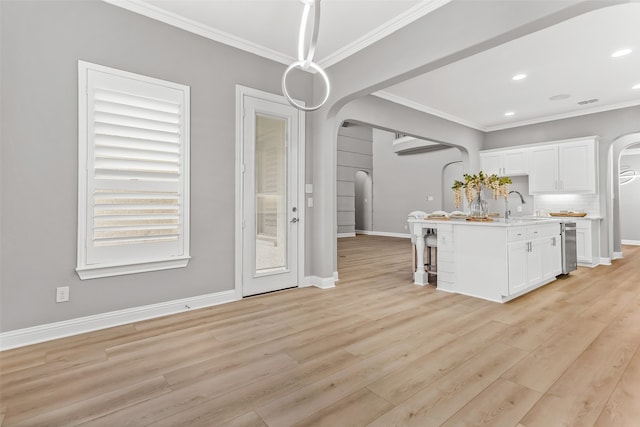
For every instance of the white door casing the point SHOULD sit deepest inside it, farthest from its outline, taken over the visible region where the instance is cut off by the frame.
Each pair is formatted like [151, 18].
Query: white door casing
[269, 180]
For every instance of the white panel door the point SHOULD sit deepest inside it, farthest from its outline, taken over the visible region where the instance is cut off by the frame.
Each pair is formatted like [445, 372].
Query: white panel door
[551, 257]
[518, 254]
[270, 189]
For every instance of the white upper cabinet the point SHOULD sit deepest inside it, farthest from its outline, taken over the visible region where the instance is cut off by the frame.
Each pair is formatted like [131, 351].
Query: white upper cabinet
[505, 162]
[566, 167]
[544, 169]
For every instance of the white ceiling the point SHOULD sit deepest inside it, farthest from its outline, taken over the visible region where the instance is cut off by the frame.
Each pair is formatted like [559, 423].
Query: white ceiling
[573, 57]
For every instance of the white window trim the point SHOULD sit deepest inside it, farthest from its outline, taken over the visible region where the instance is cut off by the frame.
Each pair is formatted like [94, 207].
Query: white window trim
[92, 271]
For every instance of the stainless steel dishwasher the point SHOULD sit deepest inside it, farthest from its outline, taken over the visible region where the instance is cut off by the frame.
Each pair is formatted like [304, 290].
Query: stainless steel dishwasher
[569, 247]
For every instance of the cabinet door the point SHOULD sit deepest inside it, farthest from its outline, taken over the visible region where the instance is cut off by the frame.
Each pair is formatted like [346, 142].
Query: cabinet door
[543, 173]
[518, 255]
[534, 262]
[551, 257]
[491, 163]
[583, 242]
[515, 162]
[577, 167]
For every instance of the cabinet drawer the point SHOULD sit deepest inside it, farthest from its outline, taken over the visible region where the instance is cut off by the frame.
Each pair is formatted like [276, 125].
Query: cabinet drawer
[551, 230]
[517, 233]
[534, 232]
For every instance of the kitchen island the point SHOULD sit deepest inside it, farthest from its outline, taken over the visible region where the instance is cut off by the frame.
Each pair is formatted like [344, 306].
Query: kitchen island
[496, 261]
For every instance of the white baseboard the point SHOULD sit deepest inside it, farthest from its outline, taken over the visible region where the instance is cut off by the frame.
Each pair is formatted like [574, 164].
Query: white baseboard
[341, 235]
[81, 325]
[631, 242]
[336, 278]
[617, 255]
[605, 261]
[384, 233]
[319, 282]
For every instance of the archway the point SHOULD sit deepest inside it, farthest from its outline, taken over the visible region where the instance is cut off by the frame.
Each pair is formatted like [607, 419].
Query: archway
[615, 152]
[364, 202]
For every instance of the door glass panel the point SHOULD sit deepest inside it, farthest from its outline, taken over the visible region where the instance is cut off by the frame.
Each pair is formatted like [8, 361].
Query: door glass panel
[271, 194]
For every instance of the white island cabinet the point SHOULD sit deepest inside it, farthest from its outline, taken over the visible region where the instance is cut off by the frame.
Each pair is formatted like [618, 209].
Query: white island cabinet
[496, 261]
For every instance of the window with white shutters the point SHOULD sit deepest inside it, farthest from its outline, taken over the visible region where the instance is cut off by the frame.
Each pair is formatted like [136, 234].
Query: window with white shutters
[133, 173]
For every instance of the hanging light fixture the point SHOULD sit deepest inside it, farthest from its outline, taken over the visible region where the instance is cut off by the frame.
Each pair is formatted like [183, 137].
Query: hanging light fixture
[627, 174]
[305, 62]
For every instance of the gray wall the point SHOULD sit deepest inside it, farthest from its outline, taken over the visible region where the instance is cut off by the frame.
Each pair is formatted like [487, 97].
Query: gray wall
[630, 201]
[41, 44]
[609, 125]
[402, 182]
[354, 154]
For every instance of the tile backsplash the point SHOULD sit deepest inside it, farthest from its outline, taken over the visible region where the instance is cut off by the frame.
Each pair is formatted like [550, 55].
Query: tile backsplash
[589, 203]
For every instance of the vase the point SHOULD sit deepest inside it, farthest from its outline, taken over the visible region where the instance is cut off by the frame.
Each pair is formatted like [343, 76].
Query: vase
[478, 208]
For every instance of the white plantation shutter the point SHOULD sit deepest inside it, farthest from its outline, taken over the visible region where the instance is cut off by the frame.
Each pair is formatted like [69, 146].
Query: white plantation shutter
[134, 140]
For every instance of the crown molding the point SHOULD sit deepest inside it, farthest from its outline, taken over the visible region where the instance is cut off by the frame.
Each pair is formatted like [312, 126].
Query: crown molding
[420, 107]
[565, 115]
[407, 17]
[151, 11]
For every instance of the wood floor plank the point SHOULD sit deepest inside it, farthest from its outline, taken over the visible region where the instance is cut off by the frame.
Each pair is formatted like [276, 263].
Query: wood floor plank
[580, 394]
[543, 366]
[357, 409]
[95, 407]
[438, 401]
[250, 419]
[503, 403]
[623, 407]
[376, 349]
[206, 405]
[534, 331]
[402, 383]
[294, 407]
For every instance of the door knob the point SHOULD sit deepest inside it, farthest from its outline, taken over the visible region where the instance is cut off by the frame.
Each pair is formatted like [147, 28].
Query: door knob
[294, 220]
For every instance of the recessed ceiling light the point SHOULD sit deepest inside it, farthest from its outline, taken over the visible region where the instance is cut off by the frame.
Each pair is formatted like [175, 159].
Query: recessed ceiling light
[519, 77]
[636, 86]
[559, 97]
[509, 113]
[621, 52]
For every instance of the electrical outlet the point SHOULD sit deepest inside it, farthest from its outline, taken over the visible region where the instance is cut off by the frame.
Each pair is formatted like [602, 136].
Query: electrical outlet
[62, 294]
[519, 209]
[430, 198]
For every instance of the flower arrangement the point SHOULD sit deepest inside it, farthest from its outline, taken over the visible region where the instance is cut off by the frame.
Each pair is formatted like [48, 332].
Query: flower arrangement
[473, 186]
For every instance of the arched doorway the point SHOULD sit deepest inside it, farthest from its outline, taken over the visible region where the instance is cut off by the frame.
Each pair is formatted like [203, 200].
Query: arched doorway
[615, 152]
[364, 205]
[629, 185]
[450, 172]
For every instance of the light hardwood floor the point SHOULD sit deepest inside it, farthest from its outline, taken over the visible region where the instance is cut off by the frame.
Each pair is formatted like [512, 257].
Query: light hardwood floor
[376, 350]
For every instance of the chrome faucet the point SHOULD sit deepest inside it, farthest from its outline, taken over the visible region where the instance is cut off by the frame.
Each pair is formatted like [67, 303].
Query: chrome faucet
[507, 212]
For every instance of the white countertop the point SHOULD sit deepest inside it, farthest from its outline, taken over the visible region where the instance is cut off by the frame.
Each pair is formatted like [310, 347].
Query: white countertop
[497, 222]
